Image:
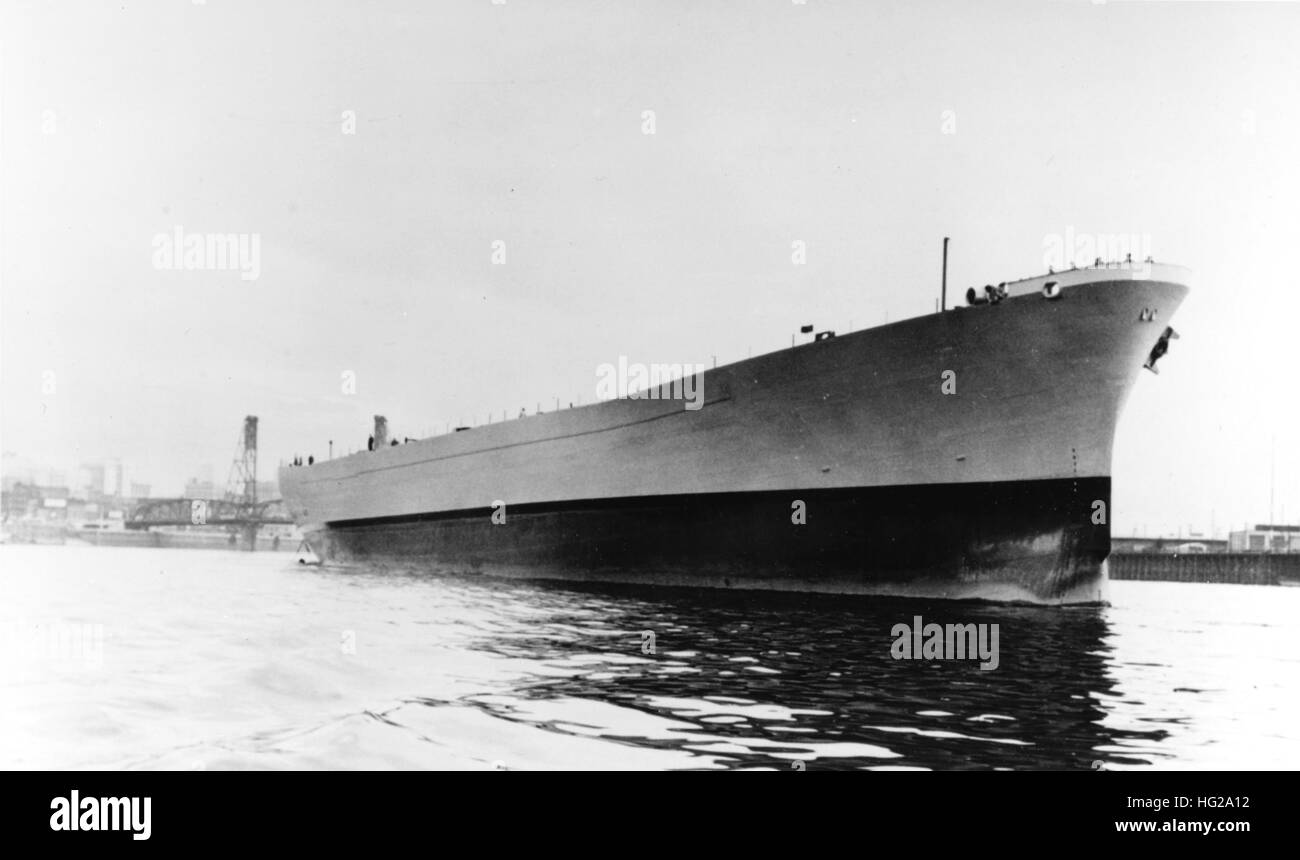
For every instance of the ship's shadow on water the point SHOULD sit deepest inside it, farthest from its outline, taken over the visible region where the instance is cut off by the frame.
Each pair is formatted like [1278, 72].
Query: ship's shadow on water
[754, 679]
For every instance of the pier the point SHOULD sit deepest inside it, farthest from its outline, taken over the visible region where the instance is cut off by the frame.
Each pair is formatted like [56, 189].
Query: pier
[1242, 568]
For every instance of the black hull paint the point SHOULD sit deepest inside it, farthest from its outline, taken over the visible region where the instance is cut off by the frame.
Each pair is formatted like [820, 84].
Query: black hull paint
[1024, 540]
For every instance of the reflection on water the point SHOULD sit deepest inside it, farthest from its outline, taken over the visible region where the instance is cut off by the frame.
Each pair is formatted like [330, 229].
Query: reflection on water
[220, 660]
[768, 679]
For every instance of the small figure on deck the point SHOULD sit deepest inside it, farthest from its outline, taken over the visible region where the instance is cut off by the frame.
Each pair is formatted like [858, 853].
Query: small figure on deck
[370, 444]
[310, 459]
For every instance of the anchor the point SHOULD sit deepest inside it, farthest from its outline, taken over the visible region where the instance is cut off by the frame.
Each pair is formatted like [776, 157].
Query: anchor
[1161, 347]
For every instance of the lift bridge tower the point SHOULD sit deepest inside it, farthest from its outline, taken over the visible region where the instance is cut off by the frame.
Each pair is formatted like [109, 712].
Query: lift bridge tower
[241, 486]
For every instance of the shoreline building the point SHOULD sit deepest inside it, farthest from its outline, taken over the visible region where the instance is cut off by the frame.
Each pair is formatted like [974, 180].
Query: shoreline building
[1265, 538]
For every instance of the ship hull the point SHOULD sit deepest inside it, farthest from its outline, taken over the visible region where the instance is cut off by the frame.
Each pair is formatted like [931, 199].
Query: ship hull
[965, 454]
[1030, 541]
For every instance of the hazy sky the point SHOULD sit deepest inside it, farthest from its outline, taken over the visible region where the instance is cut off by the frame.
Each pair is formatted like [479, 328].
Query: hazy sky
[524, 122]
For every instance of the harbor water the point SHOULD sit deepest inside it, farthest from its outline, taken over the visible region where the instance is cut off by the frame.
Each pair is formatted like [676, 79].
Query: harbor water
[210, 659]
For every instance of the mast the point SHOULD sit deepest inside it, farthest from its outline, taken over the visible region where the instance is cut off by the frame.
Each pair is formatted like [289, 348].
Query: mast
[943, 288]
